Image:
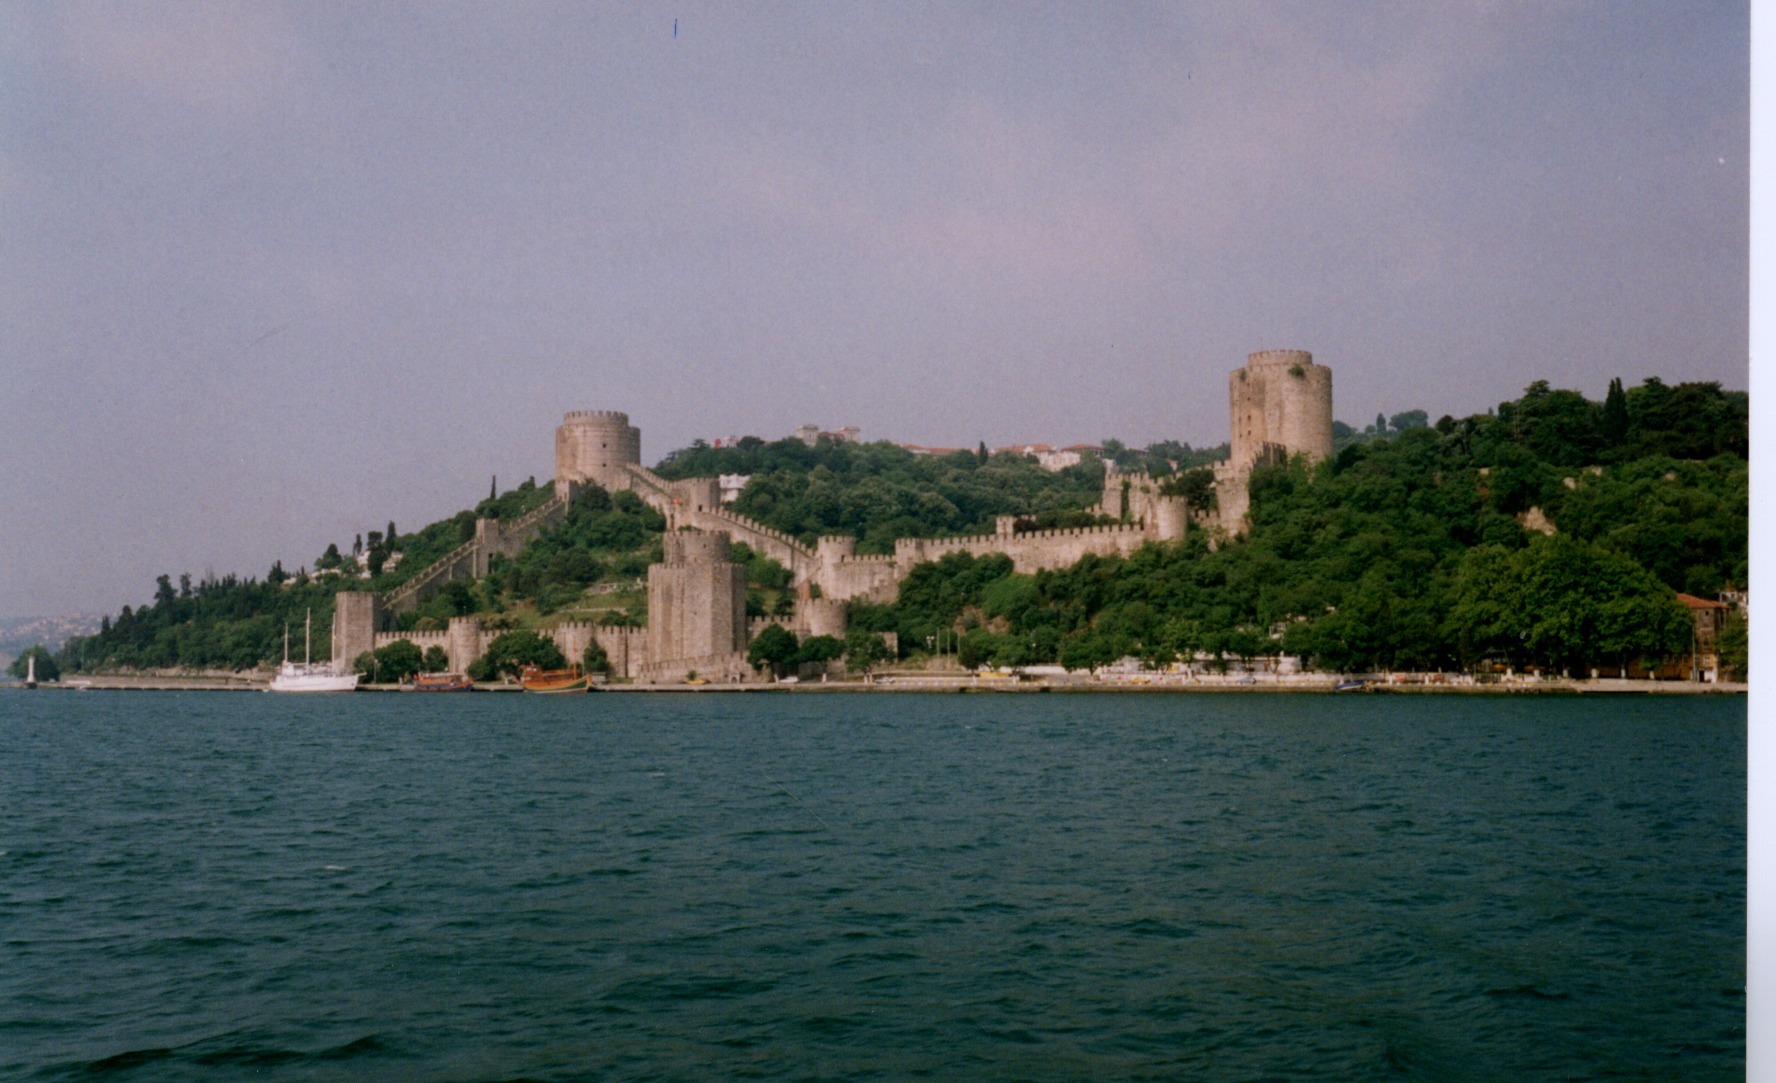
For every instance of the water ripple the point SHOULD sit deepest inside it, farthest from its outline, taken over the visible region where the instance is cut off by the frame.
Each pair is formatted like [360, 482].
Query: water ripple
[494, 888]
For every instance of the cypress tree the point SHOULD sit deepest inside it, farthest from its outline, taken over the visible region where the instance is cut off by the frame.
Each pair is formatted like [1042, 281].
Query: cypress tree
[1615, 413]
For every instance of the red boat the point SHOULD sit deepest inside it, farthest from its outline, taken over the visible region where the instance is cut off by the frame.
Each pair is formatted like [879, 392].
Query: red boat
[442, 682]
[536, 679]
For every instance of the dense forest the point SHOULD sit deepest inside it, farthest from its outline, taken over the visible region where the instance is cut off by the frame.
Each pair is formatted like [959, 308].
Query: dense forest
[1552, 531]
[1408, 550]
[879, 492]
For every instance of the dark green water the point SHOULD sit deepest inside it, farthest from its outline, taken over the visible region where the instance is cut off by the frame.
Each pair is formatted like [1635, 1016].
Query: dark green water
[220, 886]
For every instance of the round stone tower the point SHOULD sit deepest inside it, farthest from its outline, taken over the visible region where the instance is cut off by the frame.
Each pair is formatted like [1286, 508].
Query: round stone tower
[595, 446]
[1282, 404]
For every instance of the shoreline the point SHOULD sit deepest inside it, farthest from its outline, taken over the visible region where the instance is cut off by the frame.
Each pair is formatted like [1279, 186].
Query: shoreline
[897, 683]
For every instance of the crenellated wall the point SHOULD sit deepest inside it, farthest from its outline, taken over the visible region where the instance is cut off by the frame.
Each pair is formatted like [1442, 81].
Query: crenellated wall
[467, 640]
[470, 560]
[1280, 404]
[1029, 552]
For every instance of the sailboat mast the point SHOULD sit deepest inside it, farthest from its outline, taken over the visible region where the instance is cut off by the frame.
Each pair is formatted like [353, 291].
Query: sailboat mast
[307, 631]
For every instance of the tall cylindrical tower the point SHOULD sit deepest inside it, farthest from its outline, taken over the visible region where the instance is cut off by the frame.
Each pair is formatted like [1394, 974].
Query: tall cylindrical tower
[595, 446]
[1280, 402]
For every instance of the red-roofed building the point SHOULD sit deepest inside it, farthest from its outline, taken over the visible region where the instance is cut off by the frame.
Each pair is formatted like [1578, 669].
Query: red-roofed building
[1709, 617]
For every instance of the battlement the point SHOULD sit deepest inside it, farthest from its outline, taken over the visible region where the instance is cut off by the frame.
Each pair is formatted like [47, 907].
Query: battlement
[418, 639]
[755, 625]
[752, 526]
[993, 542]
[1279, 357]
[593, 627]
[868, 559]
[1081, 532]
[617, 417]
[684, 547]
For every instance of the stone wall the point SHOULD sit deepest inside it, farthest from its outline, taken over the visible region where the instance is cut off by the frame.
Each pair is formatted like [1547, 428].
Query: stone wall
[1030, 552]
[625, 647]
[726, 668]
[471, 559]
[467, 640]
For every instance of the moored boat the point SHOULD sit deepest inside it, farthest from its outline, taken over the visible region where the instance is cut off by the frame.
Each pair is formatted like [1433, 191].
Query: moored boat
[306, 675]
[442, 682]
[537, 679]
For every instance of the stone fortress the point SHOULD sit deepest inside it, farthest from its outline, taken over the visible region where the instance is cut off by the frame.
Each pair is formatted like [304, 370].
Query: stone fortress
[1281, 405]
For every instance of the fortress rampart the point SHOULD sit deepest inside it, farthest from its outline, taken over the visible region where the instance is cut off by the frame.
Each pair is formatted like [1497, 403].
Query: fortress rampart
[1280, 404]
[467, 640]
[1033, 551]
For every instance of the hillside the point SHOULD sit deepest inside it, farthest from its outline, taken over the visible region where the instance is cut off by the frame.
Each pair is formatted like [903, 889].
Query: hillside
[1553, 531]
[1415, 546]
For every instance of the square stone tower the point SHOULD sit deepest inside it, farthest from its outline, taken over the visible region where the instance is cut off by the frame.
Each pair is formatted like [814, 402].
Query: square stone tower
[696, 598]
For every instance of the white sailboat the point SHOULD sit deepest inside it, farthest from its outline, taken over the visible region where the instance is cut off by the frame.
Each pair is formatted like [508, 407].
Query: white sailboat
[307, 676]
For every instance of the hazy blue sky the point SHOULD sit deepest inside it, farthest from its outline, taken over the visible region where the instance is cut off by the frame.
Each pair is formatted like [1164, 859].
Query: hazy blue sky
[275, 275]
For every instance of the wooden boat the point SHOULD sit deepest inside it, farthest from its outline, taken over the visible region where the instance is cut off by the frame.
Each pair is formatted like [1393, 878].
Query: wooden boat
[537, 679]
[442, 682]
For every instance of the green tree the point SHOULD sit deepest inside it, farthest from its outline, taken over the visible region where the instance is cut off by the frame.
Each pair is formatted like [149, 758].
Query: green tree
[1733, 645]
[510, 652]
[435, 660]
[398, 661]
[774, 649]
[47, 670]
[820, 650]
[1087, 651]
[594, 658]
[1615, 421]
[864, 650]
[976, 647]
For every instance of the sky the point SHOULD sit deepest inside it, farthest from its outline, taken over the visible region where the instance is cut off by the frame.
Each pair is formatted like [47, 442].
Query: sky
[275, 275]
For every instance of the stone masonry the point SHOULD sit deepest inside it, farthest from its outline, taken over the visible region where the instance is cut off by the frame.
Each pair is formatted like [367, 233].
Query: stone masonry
[1280, 404]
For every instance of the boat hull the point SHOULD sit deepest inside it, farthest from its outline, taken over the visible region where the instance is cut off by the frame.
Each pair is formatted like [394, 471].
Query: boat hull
[550, 688]
[313, 682]
[554, 681]
[442, 682]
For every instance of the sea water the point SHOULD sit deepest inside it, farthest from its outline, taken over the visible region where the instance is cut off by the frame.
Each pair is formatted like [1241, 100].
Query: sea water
[845, 887]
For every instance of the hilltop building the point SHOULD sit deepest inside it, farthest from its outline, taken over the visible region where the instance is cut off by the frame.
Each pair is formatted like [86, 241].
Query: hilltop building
[1281, 405]
[811, 434]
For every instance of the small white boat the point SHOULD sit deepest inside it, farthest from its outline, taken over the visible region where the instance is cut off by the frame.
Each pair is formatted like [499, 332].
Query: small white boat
[307, 676]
